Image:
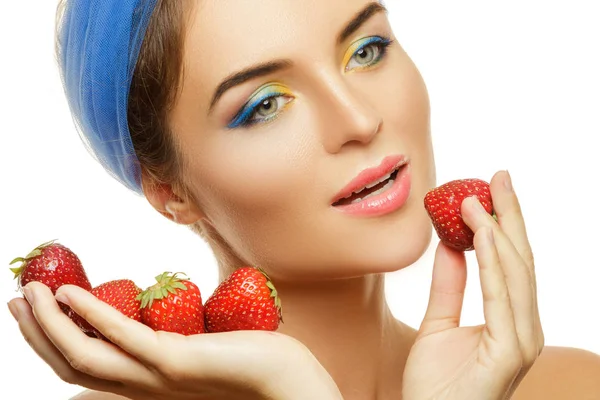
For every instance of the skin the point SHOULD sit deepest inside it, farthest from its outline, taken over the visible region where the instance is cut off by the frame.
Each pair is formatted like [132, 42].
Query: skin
[254, 207]
[264, 194]
[246, 182]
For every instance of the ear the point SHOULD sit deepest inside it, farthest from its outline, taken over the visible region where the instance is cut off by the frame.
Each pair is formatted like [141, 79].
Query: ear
[169, 203]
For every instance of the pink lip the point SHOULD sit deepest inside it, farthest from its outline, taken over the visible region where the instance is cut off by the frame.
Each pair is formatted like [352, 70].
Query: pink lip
[369, 175]
[384, 203]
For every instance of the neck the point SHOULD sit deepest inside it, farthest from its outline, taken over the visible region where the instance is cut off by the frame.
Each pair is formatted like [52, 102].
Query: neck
[349, 328]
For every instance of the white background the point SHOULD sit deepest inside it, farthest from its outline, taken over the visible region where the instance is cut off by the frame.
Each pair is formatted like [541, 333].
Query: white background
[514, 85]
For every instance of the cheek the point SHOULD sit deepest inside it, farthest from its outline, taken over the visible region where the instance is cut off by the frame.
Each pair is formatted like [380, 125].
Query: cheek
[406, 111]
[250, 184]
[407, 105]
[258, 189]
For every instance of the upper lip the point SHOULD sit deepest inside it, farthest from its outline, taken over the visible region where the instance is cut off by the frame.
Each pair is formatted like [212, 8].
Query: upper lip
[370, 176]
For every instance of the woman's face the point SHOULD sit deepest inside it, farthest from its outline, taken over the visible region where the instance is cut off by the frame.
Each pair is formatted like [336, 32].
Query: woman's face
[268, 152]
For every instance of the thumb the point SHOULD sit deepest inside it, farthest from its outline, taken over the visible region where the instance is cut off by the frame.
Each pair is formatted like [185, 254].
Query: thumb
[447, 291]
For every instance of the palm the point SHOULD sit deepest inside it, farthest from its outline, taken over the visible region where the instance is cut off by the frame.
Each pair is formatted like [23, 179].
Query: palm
[442, 362]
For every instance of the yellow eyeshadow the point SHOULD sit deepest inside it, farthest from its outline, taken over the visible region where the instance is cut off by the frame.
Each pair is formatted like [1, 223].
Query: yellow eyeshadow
[354, 47]
[352, 50]
[271, 88]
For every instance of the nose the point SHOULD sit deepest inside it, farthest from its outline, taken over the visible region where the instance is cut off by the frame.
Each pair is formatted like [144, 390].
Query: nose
[345, 115]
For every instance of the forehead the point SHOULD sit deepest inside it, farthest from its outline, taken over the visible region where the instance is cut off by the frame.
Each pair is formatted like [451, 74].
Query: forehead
[224, 36]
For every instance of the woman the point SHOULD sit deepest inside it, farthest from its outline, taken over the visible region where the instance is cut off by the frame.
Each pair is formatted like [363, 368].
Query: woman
[325, 99]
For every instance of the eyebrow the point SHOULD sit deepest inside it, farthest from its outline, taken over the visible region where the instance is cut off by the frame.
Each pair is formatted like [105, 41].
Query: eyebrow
[271, 67]
[247, 74]
[359, 20]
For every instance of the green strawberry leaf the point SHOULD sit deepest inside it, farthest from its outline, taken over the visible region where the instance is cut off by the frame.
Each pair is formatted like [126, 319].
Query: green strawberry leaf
[165, 283]
[17, 271]
[179, 285]
[184, 278]
[171, 290]
[262, 271]
[48, 243]
[143, 297]
[160, 278]
[34, 253]
[16, 260]
[38, 250]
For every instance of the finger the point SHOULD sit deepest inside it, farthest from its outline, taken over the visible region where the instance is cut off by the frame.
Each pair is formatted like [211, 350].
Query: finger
[136, 339]
[496, 299]
[447, 291]
[510, 219]
[210, 356]
[90, 356]
[45, 349]
[515, 270]
[516, 276]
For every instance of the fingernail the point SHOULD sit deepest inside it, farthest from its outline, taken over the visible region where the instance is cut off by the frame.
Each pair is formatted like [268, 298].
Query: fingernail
[14, 311]
[477, 206]
[61, 298]
[508, 182]
[29, 295]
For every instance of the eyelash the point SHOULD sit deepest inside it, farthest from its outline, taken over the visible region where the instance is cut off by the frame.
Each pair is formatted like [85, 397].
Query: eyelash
[245, 118]
[381, 43]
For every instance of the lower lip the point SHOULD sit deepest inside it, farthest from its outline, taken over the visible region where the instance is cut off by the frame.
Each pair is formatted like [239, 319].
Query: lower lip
[384, 203]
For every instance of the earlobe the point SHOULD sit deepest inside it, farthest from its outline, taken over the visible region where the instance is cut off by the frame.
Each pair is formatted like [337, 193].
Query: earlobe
[169, 204]
[183, 211]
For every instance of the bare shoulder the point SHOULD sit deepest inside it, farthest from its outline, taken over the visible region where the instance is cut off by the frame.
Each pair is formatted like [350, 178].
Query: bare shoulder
[562, 373]
[91, 395]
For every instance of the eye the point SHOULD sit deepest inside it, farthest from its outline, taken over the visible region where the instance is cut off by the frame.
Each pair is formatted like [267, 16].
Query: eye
[264, 106]
[367, 52]
[268, 107]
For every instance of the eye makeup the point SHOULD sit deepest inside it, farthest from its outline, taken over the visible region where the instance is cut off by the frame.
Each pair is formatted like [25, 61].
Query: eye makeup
[373, 45]
[272, 96]
[270, 100]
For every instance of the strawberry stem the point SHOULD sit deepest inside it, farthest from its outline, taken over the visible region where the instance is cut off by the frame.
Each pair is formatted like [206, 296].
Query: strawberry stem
[165, 283]
[32, 254]
[274, 293]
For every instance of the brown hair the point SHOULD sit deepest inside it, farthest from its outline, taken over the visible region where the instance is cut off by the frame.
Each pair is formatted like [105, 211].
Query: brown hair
[153, 92]
[155, 85]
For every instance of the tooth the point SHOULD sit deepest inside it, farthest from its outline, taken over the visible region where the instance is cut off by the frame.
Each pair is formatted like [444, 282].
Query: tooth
[375, 183]
[375, 193]
[369, 186]
[378, 182]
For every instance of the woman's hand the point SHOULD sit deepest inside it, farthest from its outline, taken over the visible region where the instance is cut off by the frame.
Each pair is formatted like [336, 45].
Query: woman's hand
[147, 365]
[484, 362]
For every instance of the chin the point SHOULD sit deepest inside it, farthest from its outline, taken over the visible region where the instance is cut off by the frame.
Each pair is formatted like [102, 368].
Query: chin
[380, 248]
[352, 248]
[392, 256]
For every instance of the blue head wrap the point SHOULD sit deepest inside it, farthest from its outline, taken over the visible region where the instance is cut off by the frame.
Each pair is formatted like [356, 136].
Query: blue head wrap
[98, 47]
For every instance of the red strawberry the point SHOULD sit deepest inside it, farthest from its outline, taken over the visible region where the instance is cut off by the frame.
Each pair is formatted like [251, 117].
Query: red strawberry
[174, 305]
[246, 300]
[53, 265]
[443, 205]
[120, 294]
